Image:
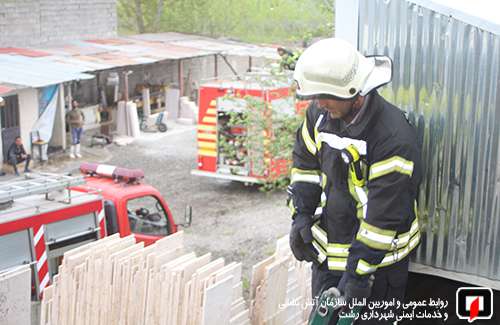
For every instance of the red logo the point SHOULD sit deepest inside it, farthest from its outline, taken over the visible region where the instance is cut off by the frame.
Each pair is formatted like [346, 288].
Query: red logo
[474, 303]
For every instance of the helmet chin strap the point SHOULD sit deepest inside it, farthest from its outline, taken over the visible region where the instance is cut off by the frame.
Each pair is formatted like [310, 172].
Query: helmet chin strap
[355, 108]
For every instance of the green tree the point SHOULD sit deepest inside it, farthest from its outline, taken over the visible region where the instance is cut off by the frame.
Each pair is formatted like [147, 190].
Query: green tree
[262, 21]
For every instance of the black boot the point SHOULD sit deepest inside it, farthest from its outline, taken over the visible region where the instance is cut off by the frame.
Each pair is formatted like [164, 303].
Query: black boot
[27, 164]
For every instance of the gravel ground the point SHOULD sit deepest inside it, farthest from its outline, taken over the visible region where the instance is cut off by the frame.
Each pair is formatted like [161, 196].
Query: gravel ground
[231, 220]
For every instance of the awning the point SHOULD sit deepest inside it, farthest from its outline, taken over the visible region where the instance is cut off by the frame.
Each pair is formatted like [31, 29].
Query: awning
[75, 60]
[36, 72]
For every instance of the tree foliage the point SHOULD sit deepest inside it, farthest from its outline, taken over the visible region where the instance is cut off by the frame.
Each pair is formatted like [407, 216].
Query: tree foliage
[268, 21]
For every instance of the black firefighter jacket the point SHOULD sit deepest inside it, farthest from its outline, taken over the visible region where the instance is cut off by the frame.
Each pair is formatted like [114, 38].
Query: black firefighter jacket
[359, 183]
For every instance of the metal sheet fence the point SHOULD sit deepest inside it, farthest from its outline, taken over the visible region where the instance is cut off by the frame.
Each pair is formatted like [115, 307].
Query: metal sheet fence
[446, 76]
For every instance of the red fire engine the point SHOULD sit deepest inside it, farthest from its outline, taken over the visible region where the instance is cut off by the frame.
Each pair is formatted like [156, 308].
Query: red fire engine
[216, 100]
[46, 215]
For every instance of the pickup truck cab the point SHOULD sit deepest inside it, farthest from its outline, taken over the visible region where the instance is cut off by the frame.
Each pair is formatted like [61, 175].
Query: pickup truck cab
[130, 206]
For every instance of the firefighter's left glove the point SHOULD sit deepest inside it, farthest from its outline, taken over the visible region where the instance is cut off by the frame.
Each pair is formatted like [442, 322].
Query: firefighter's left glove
[301, 239]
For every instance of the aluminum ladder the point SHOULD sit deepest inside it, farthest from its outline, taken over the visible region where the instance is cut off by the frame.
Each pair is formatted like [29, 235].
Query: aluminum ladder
[37, 184]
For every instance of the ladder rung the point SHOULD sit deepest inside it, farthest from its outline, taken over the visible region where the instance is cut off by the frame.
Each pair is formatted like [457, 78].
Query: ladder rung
[43, 184]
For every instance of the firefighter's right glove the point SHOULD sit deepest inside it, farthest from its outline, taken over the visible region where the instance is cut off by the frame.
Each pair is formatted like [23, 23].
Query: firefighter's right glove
[301, 239]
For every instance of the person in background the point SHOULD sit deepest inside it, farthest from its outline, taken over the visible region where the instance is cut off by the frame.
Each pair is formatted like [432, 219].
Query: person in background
[75, 119]
[288, 58]
[16, 154]
[2, 104]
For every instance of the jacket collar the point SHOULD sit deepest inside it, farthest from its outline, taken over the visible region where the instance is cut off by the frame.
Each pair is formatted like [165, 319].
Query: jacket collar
[357, 129]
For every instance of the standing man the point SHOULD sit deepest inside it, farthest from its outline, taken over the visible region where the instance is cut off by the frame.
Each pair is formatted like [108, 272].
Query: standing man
[355, 177]
[75, 119]
[16, 154]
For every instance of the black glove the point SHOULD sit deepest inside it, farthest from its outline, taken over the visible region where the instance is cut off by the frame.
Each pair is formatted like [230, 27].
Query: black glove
[355, 287]
[301, 239]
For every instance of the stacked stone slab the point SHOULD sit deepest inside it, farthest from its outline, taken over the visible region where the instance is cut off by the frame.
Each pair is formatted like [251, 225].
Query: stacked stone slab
[118, 281]
[15, 296]
[280, 289]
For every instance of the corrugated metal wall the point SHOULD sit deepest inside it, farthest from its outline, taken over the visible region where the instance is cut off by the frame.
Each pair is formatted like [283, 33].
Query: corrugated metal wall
[446, 76]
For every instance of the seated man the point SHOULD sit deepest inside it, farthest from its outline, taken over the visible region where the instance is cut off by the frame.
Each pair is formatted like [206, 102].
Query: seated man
[17, 154]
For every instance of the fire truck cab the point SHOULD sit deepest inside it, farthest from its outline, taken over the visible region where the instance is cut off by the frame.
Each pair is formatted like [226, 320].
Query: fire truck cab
[130, 206]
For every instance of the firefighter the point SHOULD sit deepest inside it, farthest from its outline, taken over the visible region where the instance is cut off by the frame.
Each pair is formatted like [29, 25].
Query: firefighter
[288, 58]
[354, 182]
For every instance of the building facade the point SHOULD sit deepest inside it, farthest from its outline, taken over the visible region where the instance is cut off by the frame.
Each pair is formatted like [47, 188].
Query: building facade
[35, 22]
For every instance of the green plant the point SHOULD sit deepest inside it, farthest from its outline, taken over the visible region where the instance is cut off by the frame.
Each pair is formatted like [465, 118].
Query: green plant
[268, 138]
[259, 21]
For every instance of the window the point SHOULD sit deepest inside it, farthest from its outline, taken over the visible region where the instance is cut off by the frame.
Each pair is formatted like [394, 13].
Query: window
[147, 216]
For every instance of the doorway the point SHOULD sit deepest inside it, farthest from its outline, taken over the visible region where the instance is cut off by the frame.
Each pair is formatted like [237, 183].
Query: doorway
[9, 115]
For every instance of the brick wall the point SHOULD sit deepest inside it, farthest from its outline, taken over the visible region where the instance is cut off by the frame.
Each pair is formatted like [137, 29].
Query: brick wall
[36, 22]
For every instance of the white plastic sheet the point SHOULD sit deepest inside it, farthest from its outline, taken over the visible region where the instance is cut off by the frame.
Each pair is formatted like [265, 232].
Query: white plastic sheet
[45, 123]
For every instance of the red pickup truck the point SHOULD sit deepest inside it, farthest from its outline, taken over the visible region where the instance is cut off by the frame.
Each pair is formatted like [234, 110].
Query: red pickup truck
[130, 206]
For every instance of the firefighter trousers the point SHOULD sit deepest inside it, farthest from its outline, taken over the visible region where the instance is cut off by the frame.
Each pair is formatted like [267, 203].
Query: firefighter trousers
[390, 283]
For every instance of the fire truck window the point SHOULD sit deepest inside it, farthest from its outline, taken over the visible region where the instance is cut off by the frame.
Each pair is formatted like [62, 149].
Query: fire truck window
[147, 216]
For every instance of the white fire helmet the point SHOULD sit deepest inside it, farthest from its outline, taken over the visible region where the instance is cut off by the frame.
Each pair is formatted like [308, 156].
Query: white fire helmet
[333, 67]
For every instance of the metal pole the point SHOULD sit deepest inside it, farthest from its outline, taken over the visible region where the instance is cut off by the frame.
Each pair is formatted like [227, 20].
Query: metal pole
[216, 68]
[70, 97]
[181, 87]
[125, 86]
[230, 66]
[181, 81]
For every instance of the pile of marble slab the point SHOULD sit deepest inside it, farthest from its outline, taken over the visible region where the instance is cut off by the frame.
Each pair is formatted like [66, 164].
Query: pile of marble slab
[280, 289]
[127, 120]
[118, 281]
